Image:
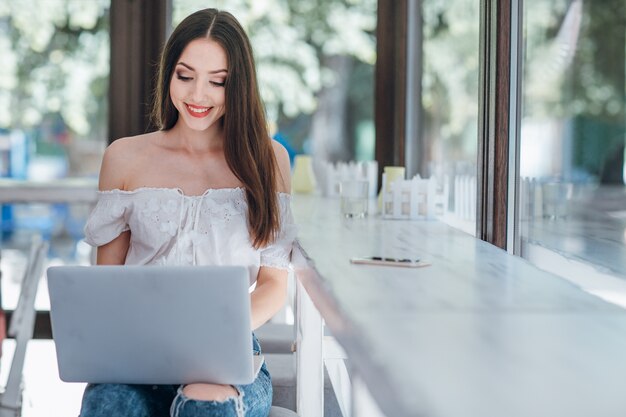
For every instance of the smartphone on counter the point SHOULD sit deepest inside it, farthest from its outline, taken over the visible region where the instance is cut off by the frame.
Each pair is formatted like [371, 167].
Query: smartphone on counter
[387, 261]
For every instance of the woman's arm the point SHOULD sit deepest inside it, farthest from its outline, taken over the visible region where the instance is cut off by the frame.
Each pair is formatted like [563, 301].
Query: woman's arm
[270, 292]
[269, 295]
[112, 177]
[114, 252]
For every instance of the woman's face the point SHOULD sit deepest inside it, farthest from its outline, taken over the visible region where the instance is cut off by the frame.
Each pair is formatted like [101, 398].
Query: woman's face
[197, 85]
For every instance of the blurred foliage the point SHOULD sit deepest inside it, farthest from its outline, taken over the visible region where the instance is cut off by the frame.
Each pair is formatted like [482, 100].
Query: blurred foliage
[574, 67]
[55, 61]
[450, 79]
[574, 63]
[575, 74]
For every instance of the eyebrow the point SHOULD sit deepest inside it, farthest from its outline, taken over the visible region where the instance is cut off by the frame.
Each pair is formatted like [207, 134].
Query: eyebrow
[192, 68]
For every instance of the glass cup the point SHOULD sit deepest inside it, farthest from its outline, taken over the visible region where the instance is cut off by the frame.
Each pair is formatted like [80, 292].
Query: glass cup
[354, 198]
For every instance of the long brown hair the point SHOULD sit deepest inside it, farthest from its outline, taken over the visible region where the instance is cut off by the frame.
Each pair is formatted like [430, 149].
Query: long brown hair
[247, 145]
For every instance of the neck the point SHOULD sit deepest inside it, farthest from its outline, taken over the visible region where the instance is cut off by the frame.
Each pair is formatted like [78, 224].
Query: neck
[194, 141]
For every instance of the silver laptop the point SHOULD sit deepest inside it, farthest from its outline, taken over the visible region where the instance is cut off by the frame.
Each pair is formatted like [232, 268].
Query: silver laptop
[152, 324]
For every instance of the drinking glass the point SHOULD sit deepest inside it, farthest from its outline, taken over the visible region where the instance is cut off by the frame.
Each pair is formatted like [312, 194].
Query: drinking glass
[354, 198]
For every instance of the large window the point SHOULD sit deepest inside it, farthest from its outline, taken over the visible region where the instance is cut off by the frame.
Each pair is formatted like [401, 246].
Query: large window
[315, 66]
[573, 130]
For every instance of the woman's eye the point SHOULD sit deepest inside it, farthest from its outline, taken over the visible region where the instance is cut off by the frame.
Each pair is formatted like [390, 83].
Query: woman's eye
[218, 84]
[182, 78]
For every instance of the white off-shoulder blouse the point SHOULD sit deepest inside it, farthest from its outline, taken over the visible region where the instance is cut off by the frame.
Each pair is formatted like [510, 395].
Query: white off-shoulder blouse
[170, 228]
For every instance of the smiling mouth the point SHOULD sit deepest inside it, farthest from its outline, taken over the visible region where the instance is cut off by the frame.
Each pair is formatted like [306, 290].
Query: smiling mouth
[196, 111]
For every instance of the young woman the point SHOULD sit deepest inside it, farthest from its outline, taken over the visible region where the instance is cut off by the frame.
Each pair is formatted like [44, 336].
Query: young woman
[208, 188]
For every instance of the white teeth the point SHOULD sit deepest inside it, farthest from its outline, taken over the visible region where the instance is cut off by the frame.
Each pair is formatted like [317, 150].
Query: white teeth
[196, 110]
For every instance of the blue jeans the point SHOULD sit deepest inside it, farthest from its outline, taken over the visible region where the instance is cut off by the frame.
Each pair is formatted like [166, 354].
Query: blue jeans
[123, 400]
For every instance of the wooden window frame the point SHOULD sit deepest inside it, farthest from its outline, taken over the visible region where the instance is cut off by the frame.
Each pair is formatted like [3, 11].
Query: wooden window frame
[138, 33]
[494, 127]
[390, 82]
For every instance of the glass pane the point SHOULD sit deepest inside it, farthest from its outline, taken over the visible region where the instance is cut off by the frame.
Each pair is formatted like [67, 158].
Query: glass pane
[450, 103]
[573, 130]
[315, 63]
[53, 122]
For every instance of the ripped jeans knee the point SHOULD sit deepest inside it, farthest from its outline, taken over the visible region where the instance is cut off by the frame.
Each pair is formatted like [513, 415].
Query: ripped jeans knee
[182, 406]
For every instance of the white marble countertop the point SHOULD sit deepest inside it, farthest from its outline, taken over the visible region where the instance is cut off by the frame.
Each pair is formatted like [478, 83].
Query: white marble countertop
[480, 333]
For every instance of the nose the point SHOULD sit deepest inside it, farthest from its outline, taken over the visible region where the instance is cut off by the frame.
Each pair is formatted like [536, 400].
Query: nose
[200, 93]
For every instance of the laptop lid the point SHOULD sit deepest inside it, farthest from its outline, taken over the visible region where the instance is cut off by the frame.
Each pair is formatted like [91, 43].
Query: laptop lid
[152, 324]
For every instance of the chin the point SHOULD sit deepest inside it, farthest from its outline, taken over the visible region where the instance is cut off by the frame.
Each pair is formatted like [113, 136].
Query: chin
[198, 125]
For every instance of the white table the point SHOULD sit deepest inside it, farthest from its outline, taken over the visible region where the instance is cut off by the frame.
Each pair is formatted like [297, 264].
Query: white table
[480, 333]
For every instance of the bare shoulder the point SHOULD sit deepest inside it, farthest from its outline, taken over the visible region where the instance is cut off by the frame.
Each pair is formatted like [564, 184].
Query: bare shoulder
[284, 167]
[119, 158]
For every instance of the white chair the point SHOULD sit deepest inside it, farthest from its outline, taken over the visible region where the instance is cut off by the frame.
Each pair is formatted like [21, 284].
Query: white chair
[22, 327]
[312, 381]
[281, 412]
